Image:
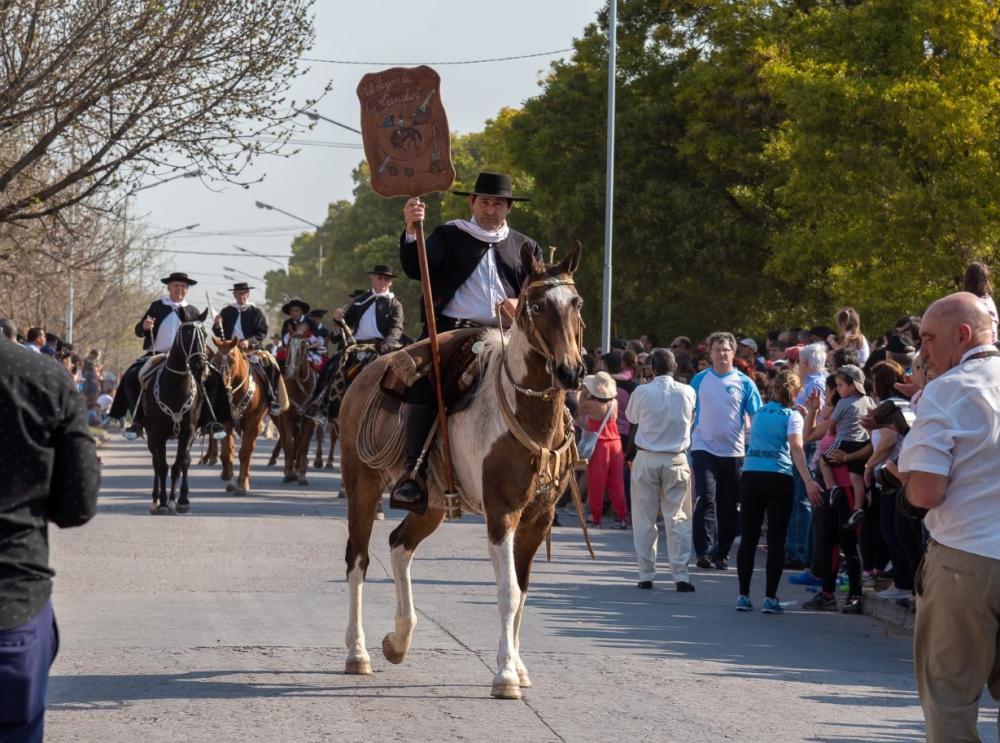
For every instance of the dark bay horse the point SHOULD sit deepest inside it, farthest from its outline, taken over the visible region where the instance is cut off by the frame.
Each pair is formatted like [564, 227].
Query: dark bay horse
[512, 450]
[171, 404]
[295, 426]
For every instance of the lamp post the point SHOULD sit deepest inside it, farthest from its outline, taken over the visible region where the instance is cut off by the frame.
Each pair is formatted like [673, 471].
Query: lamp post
[265, 257]
[171, 232]
[187, 174]
[244, 273]
[317, 116]
[269, 207]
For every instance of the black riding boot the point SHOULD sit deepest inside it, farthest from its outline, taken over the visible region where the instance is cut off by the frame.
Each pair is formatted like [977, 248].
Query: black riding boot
[271, 373]
[215, 409]
[411, 493]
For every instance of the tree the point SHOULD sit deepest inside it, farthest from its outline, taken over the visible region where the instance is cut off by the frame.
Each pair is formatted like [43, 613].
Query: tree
[98, 93]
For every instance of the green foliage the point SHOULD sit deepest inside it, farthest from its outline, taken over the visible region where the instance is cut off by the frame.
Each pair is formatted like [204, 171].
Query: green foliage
[775, 159]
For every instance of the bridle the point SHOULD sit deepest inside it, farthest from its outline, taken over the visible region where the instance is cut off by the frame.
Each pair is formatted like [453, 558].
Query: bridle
[525, 316]
[227, 378]
[195, 349]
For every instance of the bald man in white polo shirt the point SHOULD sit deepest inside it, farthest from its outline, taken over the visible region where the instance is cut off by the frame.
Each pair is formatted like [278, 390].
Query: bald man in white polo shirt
[950, 464]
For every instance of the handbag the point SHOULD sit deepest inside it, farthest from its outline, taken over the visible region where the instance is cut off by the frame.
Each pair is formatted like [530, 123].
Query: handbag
[588, 439]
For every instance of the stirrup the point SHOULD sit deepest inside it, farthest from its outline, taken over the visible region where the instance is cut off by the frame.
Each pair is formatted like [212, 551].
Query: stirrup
[418, 504]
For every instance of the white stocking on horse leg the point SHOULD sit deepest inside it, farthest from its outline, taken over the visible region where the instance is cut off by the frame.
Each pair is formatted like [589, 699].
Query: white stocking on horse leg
[506, 684]
[522, 672]
[396, 644]
[358, 661]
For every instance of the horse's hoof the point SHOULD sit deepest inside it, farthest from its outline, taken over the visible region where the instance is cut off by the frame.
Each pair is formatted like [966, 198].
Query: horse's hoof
[160, 510]
[183, 508]
[380, 515]
[329, 465]
[303, 481]
[172, 506]
[272, 462]
[242, 493]
[318, 464]
[505, 690]
[289, 478]
[358, 667]
[524, 680]
[391, 654]
[341, 493]
[230, 487]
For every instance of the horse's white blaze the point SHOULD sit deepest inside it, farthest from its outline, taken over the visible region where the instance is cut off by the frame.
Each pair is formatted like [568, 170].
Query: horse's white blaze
[406, 615]
[355, 629]
[508, 601]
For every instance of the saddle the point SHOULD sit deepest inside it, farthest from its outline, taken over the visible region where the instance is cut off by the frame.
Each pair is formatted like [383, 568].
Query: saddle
[459, 367]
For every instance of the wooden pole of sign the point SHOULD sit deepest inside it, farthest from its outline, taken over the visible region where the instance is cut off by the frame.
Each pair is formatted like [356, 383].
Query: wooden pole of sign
[453, 507]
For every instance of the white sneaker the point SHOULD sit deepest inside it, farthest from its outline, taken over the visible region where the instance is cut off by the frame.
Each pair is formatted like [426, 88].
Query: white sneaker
[893, 593]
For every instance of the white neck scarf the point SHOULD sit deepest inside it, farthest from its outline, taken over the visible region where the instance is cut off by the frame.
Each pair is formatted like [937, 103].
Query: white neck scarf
[386, 293]
[472, 228]
[240, 307]
[172, 304]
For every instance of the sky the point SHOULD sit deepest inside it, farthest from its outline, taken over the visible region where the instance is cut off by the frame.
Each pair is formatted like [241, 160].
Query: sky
[390, 31]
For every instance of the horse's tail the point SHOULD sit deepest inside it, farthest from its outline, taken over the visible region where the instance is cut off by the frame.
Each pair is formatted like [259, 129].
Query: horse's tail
[282, 394]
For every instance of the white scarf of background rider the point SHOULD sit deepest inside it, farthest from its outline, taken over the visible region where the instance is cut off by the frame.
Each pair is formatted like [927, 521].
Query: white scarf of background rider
[168, 328]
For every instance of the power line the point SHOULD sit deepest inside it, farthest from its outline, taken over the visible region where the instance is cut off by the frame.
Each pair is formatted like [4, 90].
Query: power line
[413, 64]
[208, 252]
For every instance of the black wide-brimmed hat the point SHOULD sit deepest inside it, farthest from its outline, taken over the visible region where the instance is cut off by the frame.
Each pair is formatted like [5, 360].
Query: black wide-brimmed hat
[287, 306]
[357, 293]
[380, 269]
[241, 286]
[317, 312]
[179, 276]
[496, 185]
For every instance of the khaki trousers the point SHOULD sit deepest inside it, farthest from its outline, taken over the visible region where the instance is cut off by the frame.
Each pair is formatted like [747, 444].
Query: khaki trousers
[661, 483]
[956, 643]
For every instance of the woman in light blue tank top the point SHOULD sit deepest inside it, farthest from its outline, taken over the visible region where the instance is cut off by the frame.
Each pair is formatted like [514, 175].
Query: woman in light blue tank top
[766, 487]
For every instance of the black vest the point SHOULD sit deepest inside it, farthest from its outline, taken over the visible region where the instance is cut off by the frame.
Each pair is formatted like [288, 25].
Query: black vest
[253, 324]
[159, 312]
[388, 315]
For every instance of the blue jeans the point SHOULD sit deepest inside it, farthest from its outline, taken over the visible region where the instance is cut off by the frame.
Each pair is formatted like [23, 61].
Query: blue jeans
[26, 653]
[799, 543]
[716, 521]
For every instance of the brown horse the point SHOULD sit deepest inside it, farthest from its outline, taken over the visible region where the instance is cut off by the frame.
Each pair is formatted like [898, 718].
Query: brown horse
[297, 428]
[249, 404]
[512, 450]
[328, 431]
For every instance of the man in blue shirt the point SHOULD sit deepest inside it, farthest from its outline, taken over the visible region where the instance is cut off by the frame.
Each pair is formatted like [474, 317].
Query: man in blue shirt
[727, 399]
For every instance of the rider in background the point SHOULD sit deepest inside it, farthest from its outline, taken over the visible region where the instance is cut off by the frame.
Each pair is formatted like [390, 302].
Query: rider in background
[244, 320]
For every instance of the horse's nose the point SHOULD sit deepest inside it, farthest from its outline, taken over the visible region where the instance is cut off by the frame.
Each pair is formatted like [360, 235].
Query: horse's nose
[571, 376]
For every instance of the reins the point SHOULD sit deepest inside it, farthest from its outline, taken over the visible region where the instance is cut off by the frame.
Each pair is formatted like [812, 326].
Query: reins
[197, 339]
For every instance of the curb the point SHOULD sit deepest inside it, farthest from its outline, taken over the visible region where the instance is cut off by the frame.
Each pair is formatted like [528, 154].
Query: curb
[889, 612]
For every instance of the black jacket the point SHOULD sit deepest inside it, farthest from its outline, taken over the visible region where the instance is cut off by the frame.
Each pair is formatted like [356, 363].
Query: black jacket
[388, 316]
[452, 256]
[254, 324]
[48, 473]
[159, 312]
[286, 326]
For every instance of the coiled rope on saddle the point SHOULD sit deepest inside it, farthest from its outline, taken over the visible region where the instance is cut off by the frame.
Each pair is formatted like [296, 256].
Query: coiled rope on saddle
[368, 449]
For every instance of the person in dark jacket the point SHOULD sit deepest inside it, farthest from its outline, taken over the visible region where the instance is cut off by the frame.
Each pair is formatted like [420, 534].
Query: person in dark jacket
[476, 274]
[157, 329]
[244, 320]
[48, 473]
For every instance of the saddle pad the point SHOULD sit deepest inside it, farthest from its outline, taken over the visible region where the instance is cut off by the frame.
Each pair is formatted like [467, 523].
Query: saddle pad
[150, 366]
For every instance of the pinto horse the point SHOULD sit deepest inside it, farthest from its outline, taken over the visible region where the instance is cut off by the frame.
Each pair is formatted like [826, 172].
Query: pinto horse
[171, 404]
[512, 451]
[296, 427]
[249, 405]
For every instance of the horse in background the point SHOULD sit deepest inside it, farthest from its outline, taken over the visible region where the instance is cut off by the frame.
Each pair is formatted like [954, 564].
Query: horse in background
[297, 428]
[248, 401]
[172, 398]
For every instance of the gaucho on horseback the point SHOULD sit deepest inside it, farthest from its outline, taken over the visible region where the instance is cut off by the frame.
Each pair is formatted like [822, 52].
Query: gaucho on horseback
[375, 320]
[244, 320]
[476, 274]
[157, 329]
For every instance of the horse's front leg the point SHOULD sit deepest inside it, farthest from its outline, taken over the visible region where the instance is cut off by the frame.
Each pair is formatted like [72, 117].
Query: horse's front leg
[184, 442]
[158, 450]
[304, 440]
[506, 684]
[528, 537]
[226, 447]
[251, 431]
[318, 461]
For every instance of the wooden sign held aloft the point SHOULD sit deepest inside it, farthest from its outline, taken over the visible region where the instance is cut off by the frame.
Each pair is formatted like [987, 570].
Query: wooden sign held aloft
[405, 131]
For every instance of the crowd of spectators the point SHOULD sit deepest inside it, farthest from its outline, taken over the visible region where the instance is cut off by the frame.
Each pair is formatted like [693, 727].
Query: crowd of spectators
[96, 383]
[794, 436]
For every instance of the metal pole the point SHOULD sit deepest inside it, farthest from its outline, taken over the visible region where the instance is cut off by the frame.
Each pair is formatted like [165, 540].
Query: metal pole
[69, 307]
[609, 187]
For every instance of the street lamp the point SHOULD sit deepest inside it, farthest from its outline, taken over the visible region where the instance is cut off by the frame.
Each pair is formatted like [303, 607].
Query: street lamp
[262, 205]
[265, 257]
[248, 275]
[188, 174]
[312, 115]
[171, 232]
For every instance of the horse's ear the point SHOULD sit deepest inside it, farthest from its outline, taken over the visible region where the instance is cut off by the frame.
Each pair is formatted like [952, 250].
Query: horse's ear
[571, 262]
[531, 264]
[203, 315]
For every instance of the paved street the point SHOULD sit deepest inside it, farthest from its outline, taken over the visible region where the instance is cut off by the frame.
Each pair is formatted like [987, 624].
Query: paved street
[228, 624]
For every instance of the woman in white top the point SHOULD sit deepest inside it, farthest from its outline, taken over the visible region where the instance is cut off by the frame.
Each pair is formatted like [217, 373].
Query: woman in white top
[849, 334]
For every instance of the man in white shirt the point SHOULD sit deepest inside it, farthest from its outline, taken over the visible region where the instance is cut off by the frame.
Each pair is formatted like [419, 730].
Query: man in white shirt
[35, 340]
[950, 465]
[661, 413]
[727, 399]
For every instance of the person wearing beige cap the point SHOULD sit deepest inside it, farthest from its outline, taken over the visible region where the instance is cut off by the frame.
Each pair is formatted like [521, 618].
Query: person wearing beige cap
[606, 469]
